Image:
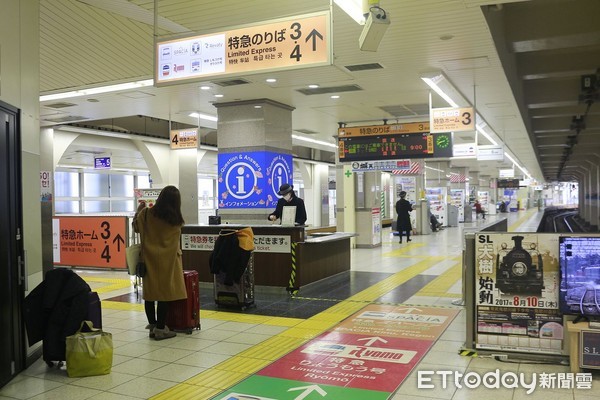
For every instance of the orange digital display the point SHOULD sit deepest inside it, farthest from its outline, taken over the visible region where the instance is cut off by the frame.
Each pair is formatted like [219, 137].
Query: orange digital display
[89, 241]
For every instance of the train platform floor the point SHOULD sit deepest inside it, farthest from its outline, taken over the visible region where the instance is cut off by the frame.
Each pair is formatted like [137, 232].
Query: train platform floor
[236, 355]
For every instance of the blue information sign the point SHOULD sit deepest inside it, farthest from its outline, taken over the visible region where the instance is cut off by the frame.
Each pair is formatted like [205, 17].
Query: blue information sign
[102, 162]
[252, 179]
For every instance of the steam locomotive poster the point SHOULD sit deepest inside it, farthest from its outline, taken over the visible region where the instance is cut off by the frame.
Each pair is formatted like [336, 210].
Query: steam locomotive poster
[517, 270]
[517, 293]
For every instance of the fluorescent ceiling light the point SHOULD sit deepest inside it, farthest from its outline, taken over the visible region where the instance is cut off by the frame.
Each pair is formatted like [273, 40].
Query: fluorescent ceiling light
[353, 8]
[204, 116]
[314, 141]
[484, 133]
[98, 90]
[442, 86]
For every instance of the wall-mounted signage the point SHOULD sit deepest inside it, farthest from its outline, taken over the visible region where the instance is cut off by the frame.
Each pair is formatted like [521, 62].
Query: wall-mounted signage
[393, 146]
[101, 162]
[89, 241]
[590, 349]
[287, 43]
[252, 180]
[452, 119]
[184, 139]
[490, 153]
[148, 196]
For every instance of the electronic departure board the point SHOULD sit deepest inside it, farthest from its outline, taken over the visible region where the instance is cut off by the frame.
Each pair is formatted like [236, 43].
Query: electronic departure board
[394, 146]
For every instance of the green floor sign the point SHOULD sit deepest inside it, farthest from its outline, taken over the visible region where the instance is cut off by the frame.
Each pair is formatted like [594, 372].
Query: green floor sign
[265, 388]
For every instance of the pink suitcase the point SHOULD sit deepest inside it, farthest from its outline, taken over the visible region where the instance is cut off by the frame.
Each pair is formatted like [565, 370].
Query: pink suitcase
[184, 315]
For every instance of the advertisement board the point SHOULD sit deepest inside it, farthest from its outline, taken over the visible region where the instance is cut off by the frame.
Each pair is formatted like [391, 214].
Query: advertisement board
[517, 292]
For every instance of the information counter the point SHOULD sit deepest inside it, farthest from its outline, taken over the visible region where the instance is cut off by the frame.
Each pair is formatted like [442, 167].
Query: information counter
[284, 256]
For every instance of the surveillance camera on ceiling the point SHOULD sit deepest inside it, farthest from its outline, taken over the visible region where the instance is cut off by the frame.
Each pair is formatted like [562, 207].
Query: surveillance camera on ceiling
[377, 23]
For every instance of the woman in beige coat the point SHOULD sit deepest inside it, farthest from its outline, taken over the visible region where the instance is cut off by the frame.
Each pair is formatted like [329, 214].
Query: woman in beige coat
[160, 230]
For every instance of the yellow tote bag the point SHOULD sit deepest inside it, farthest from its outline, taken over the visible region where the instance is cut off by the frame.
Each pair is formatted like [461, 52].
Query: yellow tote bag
[89, 353]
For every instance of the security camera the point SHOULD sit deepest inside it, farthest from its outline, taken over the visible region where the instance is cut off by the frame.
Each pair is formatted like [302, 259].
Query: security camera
[377, 23]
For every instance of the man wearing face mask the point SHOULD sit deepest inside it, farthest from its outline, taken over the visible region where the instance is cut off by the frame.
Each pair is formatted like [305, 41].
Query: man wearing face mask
[289, 199]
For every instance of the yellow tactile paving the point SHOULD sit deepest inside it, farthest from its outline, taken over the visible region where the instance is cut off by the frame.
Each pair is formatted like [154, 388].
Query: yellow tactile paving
[187, 392]
[112, 284]
[439, 286]
[119, 305]
[243, 365]
[217, 378]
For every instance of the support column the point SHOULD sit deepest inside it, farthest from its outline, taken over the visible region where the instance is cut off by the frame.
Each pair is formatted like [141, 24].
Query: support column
[345, 200]
[368, 208]
[254, 138]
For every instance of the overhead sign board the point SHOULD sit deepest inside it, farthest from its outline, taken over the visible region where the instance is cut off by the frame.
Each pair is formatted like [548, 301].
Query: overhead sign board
[391, 165]
[294, 42]
[490, 153]
[452, 119]
[392, 129]
[506, 173]
[184, 139]
[465, 150]
[393, 146]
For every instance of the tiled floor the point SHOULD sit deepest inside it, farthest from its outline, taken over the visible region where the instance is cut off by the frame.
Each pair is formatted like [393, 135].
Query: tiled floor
[199, 366]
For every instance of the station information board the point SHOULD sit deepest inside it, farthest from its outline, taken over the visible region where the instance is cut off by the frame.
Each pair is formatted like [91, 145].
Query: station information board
[387, 142]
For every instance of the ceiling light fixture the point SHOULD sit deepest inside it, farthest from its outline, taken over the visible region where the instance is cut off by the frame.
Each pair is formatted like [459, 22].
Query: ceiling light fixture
[218, 95]
[204, 116]
[354, 8]
[313, 86]
[98, 90]
[204, 87]
[335, 96]
[305, 139]
[271, 80]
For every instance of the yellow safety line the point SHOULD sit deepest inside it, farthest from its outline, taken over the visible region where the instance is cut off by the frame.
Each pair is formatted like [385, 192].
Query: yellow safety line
[526, 216]
[439, 286]
[114, 283]
[252, 360]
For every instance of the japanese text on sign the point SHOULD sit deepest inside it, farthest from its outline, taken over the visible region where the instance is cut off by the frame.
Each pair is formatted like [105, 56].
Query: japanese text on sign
[89, 241]
[262, 243]
[295, 42]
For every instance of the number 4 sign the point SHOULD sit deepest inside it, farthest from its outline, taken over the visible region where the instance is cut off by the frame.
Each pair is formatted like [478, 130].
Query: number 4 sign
[89, 241]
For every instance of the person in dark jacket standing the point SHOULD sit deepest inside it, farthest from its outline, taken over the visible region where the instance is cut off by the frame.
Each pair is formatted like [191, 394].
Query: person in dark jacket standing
[403, 208]
[289, 198]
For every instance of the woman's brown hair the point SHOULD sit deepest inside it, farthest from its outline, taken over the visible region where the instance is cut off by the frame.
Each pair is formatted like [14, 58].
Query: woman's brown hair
[168, 206]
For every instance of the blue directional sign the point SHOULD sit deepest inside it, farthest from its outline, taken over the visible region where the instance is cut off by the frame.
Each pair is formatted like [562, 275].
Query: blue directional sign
[252, 179]
[101, 162]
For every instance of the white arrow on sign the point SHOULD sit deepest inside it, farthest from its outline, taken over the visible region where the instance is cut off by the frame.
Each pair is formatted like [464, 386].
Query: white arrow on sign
[308, 390]
[411, 309]
[372, 340]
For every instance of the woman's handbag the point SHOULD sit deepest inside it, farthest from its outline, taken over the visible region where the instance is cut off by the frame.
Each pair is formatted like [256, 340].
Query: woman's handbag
[134, 257]
[89, 353]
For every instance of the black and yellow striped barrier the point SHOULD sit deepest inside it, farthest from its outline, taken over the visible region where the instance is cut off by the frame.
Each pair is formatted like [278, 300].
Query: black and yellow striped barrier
[292, 288]
[468, 353]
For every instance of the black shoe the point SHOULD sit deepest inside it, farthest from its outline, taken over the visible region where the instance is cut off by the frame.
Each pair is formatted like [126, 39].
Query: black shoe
[409, 240]
[400, 241]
